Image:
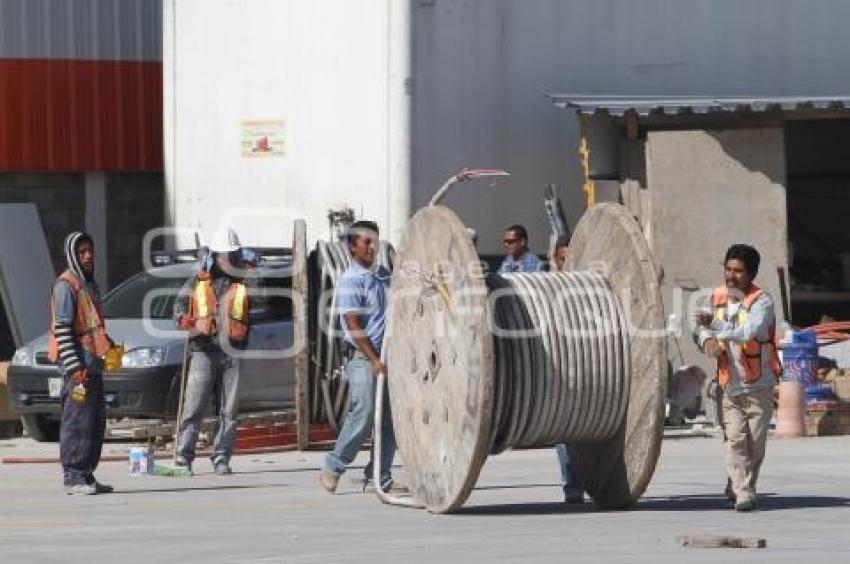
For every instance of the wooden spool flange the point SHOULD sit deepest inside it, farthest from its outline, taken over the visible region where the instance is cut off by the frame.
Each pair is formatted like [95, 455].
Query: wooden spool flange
[439, 354]
[609, 241]
[300, 319]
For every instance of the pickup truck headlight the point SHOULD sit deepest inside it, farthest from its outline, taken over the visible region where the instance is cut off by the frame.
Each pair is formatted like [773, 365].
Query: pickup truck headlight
[22, 357]
[143, 358]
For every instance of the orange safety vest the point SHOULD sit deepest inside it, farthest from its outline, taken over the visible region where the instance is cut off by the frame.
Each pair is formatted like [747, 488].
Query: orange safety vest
[88, 327]
[751, 351]
[204, 307]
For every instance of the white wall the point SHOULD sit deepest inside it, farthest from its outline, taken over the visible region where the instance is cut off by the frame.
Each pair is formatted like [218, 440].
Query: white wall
[323, 67]
[710, 189]
[481, 71]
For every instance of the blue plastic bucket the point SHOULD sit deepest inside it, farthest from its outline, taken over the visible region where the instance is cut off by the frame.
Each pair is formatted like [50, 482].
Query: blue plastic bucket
[800, 358]
[819, 392]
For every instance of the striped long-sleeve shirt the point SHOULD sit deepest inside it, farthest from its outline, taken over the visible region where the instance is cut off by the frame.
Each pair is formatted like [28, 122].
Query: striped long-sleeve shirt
[72, 357]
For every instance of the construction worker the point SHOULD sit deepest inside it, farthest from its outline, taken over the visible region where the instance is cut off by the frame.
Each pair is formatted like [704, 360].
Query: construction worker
[518, 258]
[79, 344]
[213, 306]
[362, 306]
[740, 333]
[573, 488]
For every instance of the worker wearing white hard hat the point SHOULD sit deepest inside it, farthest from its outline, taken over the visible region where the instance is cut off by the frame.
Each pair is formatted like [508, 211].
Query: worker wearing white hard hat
[213, 306]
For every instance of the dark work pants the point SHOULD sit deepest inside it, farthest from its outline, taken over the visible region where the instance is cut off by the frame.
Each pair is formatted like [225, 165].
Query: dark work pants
[81, 432]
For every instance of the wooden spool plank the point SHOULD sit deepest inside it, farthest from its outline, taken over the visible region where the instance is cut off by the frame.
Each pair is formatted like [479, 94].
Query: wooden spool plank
[440, 360]
[300, 319]
[608, 240]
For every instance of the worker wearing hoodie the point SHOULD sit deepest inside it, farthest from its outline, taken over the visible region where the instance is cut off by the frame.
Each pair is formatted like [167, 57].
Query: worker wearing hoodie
[213, 306]
[79, 343]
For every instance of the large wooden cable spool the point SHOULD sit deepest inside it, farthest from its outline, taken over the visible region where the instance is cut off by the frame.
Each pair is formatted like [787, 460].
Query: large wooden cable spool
[479, 364]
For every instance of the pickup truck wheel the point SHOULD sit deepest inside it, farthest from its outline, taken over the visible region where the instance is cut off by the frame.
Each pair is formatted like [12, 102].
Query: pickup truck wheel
[41, 428]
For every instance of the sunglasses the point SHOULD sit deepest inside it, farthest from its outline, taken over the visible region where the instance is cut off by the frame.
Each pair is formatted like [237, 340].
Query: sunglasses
[510, 241]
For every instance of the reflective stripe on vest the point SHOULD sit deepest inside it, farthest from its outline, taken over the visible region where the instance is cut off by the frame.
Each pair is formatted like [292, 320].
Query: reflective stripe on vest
[238, 310]
[202, 293]
[205, 306]
[237, 306]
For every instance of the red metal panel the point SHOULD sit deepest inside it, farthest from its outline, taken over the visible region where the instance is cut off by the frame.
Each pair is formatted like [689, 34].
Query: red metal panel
[76, 115]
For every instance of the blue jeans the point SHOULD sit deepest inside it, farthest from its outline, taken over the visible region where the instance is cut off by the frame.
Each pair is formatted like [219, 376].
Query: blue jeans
[212, 376]
[358, 424]
[568, 475]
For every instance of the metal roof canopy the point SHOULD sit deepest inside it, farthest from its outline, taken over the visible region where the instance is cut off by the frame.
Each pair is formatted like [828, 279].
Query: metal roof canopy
[619, 106]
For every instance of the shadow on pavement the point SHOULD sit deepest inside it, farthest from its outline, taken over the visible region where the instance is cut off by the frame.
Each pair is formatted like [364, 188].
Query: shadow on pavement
[716, 502]
[705, 502]
[538, 508]
[517, 486]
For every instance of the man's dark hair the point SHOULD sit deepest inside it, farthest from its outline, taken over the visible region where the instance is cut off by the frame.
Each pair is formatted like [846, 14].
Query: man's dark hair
[355, 228]
[746, 254]
[519, 230]
[563, 241]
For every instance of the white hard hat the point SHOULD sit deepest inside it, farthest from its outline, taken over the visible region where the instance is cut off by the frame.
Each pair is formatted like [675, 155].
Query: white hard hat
[225, 241]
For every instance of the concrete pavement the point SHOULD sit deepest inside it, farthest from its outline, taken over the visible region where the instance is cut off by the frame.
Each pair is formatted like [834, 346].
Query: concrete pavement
[272, 511]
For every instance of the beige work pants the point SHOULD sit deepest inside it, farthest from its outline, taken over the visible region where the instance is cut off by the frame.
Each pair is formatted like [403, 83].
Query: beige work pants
[746, 419]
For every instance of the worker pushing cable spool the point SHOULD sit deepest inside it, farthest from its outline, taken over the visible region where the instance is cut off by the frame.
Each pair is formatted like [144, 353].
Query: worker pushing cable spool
[328, 397]
[481, 363]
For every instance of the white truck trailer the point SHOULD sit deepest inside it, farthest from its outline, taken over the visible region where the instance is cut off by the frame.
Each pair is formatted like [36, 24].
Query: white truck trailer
[284, 109]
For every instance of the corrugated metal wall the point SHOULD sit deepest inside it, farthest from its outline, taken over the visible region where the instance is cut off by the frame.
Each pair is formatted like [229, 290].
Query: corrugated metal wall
[80, 85]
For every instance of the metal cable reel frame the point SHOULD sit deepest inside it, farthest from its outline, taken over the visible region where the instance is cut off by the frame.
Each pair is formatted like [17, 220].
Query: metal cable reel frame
[459, 392]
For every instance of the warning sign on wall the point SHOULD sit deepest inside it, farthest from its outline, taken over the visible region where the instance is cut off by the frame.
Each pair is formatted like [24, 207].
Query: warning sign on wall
[263, 138]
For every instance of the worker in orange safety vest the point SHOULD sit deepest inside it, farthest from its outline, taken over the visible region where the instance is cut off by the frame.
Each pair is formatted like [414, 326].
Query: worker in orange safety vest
[78, 343]
[213, 306]
[740, 332]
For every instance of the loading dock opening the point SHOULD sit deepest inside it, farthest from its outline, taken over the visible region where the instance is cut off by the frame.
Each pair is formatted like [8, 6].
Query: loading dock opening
[818, 195]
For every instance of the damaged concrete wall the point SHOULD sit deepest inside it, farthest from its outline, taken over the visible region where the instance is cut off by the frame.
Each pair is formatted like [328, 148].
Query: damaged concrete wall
[709, 189]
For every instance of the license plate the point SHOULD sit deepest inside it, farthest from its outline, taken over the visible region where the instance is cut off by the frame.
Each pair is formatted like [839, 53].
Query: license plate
[54, 386]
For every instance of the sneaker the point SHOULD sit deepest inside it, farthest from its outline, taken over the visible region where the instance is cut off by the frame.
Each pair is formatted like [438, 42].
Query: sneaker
[222, 468]
[81, 489]
[102, 488]
[745, 504]
[329, 480]
[573, 495]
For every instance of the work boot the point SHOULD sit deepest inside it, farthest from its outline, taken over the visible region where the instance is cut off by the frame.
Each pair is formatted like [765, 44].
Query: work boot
[573, 495]
[745, 504]
[81, 489]
[102, 488]
[395, 488]
[329, 480]
[222, 468]
[391, 487]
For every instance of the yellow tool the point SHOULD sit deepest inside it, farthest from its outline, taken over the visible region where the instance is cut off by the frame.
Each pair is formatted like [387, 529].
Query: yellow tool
[113, 358]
